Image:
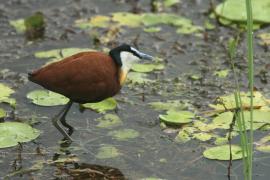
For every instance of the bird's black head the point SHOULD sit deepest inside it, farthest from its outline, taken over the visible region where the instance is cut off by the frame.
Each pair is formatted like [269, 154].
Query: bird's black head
[118, 58]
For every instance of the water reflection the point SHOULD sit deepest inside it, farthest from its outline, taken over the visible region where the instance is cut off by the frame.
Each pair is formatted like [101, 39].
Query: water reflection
[72, 167]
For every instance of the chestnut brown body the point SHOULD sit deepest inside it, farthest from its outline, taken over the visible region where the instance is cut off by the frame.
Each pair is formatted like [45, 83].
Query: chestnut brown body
[84, 77]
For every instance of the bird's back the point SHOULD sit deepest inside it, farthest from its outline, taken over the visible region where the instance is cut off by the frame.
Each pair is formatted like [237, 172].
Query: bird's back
[83, 77]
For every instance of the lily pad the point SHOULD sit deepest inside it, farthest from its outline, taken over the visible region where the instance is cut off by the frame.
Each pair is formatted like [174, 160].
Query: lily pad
[265, 39]
[18, 25]
[222, 73]
[96, 21]
[138, 78]
[127, 19]
[124, 134]
[223, 152]
[5, 92]
[2, 113]
[202, 136]
[223, 120]
[144, 68]
[147, 19]
[182, 137]
[168, 105]
[152, 29]
[109, 121]
[168, 3]
[103, 106]
[13, 132]
[263, 144]
[47, 98]
[107, 152]
[58, 54]
[236, 10]
[229, 101]
[177, 117]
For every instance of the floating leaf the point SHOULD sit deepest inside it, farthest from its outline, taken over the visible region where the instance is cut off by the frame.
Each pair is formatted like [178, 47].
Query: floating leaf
[222, 73]
[18, 25]
[168, 105]
[202, 136]
[124, 134]
[138, 78]
[96, 21]
[182, 137]
[2, 113]
[107, 151]
[236, 10]
[127, 19]
[5, 92]
[109, 121]
[265, 38]
[152, 29]
[58, 54]
[103, 106]
[223, 152]
[168, 3]
[13, 132]
[229, 101]
[47, 98]
[263, 144]
[177, 117]
[137, 20]
[144, 68]
[223, 120]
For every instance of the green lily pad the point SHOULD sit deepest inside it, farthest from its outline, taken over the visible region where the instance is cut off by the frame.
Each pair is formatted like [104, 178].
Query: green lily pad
[5, 92]
[236, 10]
[103, 106]
[137, 20]
[202, 136]
[18, 25]
[109, 121]
[168, 3]
[222, 73]
[223, 120]
[107, 152]
[96, 21]
[47, 98]
[13, 132]
[58, 54]
[151, 178]
[182, 137]
[152, 29]
[177, 117]
[265, 38]
[263, 144]
[168, 105]
[138, 78]
[2, 113]
[124, 134]
[223, 152]
[127, 19]
[144, 68]
[229, 101]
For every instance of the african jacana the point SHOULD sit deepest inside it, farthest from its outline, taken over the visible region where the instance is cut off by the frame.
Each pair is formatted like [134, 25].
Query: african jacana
[87, 77]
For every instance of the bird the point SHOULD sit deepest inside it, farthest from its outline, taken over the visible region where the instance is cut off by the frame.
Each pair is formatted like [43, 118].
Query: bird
[87, 77]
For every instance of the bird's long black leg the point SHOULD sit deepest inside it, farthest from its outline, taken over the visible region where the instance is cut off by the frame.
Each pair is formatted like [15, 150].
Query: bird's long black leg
[56, 119]
[63, 118]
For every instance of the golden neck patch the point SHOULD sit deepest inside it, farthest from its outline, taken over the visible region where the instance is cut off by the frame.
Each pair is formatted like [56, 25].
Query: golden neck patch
[122, 76]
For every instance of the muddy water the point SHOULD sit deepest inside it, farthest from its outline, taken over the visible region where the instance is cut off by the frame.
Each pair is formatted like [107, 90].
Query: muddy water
[154, 153]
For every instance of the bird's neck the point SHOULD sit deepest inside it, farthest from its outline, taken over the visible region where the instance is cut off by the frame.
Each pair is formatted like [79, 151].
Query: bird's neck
[122, 76]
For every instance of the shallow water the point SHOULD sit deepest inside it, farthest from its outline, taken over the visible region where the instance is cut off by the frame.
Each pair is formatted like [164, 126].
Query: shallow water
[154, 153]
